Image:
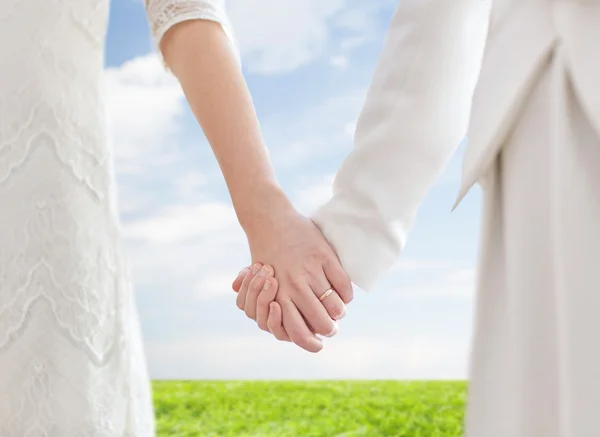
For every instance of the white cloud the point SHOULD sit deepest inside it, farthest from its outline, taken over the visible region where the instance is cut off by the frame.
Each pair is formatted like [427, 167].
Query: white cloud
[277, 36]
[352, 42]
[349, 129]
[354, 18]
[175, 223]
[191, 184]
[309, 198]
[281, 35]
[177, 236]
[144, 104]
[321, 132]
[194, 249]
[339, 61]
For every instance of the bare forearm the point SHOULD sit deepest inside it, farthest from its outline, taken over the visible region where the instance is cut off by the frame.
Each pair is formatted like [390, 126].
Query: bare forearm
[199, 54]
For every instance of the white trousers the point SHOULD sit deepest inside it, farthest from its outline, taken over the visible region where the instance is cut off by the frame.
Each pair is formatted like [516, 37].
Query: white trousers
[535, 364]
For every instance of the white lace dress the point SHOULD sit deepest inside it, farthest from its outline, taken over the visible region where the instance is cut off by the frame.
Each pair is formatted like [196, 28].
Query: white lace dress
[71, 356]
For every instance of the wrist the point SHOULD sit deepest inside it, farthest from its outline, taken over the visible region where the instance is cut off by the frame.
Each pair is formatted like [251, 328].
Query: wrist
[256, 210]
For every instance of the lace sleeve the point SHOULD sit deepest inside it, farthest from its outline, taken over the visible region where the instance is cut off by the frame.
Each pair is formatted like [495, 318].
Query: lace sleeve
[163, 14]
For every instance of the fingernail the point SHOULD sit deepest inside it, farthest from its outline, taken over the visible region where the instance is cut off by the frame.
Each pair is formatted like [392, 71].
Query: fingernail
[272, 306]
[267, 285]
[335, 331]
[341, 316]
[264, 272]
[255, 268]
[243, 272]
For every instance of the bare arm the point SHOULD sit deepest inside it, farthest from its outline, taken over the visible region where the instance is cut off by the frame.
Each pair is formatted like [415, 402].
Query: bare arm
[197, 48]
[200, 54]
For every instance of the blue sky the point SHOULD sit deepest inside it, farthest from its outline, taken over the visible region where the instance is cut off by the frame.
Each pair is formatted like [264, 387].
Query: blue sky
[308, 65]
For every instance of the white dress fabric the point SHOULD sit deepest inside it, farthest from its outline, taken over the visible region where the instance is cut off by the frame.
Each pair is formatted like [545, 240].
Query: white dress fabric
[71, 356]
[535, 362]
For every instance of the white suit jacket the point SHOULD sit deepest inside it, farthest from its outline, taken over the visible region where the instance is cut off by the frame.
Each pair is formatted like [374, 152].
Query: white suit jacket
[449, 68]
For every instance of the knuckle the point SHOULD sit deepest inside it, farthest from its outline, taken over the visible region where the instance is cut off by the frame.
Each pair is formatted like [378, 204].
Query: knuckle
[297, 281]
[346, 284]
[329, 258]
[349, 296]
[287, 293]
[337, 311]
[346, 291]
[314, 258]
[325, 255]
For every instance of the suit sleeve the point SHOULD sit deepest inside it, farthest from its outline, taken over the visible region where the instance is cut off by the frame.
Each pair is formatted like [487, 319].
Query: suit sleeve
[415, 115]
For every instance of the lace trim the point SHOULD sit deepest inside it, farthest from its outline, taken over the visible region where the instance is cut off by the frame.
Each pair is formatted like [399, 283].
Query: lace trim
[164, 14]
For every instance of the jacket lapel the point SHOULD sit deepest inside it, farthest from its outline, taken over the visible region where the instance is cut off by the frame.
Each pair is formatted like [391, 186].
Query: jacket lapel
[512, 60]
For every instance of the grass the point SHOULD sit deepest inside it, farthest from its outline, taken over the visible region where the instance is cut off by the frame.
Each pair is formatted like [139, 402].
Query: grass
[309, 409]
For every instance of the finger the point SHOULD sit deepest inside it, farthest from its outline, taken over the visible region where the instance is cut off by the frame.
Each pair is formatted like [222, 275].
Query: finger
[312, 310]
[237, 283]
[338, 279]
[330, 334]
[266, 296]
[297, 329]
[241, 297]
[275, 322]
[329, 298]
[256, 285]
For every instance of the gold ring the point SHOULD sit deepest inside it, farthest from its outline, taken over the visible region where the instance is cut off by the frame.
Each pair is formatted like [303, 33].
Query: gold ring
[327, 293]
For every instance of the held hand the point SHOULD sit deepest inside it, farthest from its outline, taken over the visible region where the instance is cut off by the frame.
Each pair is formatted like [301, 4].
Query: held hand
[260, 301]
[268, 314]
[260, 290]
[306, 269]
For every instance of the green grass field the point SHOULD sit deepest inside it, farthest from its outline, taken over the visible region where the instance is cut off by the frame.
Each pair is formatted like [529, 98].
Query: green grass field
[309, 409]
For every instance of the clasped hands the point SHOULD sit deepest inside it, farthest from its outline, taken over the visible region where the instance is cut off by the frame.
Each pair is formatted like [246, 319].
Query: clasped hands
[296, 288]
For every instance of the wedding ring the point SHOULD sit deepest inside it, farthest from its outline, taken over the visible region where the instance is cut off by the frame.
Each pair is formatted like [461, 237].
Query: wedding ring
[327, 293]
